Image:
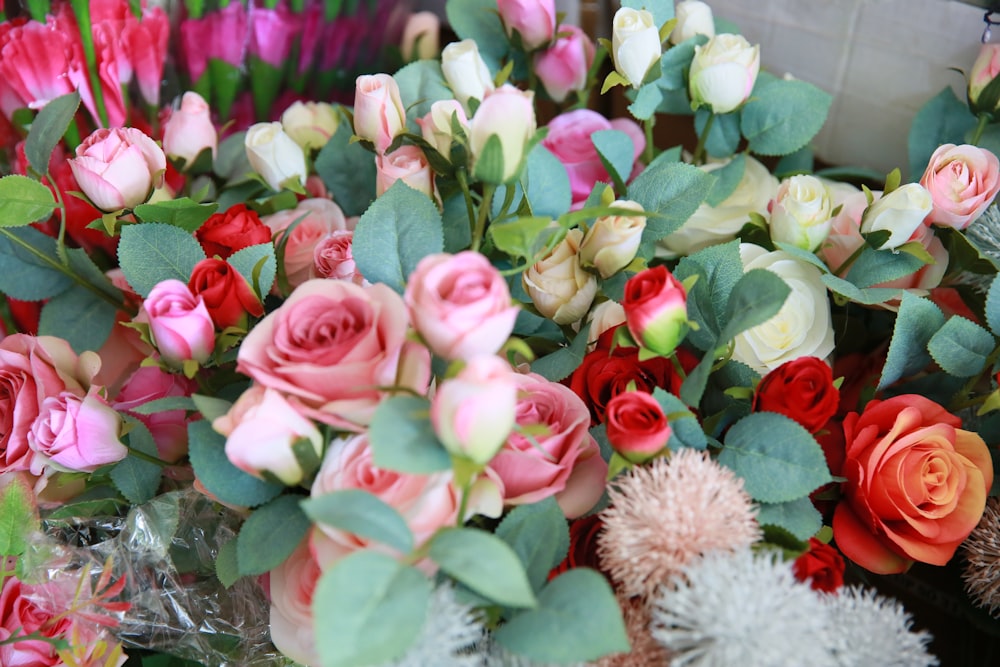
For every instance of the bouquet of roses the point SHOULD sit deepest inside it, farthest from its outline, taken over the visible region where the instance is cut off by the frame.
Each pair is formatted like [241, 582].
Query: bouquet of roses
[468, 373]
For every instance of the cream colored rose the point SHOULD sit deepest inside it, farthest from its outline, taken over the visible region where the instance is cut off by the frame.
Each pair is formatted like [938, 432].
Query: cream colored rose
[801, 215]
[559, 287]
[605, 315]
[901, 212]
[436, 127]
[635, 44]
[801, 328]
[723, 72]
[274, 155]
[465, 71]
[693, 18]
[310, 124]
[613, 240]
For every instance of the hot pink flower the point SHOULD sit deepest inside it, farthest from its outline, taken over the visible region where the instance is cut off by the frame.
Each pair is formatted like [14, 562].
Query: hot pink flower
[146, 43]
[179, 322]
[272, 32]
[168, 427]
[562, 68]
[19, 615]
[35, 62]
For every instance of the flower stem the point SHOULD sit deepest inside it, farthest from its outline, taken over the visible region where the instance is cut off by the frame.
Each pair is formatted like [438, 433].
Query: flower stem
[850, 260]
[484, 212]
[984, 120]
[648, 125]
[149, 458]
[699, 150]
[470, 204]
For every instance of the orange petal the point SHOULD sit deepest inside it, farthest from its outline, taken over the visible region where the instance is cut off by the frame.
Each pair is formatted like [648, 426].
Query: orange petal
[861, 546]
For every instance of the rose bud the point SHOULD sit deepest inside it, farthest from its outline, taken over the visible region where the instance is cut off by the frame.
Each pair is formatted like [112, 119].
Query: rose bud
[509, 115]
[635, 44]
[985, 68]
[274, 155]
[533, 20]
[421, 37]
[613, 240]
[801, 215]
[378, 110]
[693, 18]
[226, 294]
[636, 426]
[656, 310]
[466, 71]
[406, 163]
[190, 130]
[310, 124]
[436, 126]
[901, 212]
[474, 412]
[118, 168]
[801, 389]
[558, 286]
[821, 566]
[963, 182]
[179, 323]
[236, 228]
[723, 72]
[563, 67]
[76, 433]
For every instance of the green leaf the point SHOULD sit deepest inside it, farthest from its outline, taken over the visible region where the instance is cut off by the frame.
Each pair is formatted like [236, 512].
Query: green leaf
[577, 620]
[617, 153]
[786, 465]
[402, 227]
[993, 306]
[359, 512]
[24, 201]
[80, 317]
[671, 192]
[546, 183]
[138, 480]
[207, 450]
[647, 101]
[724, 135]
[693, 387]
[718, 268]
[727, 179]
[246, 261]
[869, 296]
[800, 162]
[270, 535]
[944, 119]
[521, 237]
[478, 20]
[231, 162]
[347, 170]
[29, 269]
[457, 229]
[561, 363]
[48, 128]
[756, 298]
[150, 253]
[686, 431]
[18, 516]
[917, 320]
[421, 84]
[226, 567]
[783, 116]
[402, 438]
[484, 563]
[675, 63]
[662, 10]
[873, 267]
[799, 517]
[961, 347]
[184, 213]
[368, 609]
[539, 535]
[489, 166]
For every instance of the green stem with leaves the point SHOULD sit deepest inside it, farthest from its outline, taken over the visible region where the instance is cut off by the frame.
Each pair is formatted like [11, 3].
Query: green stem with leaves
[648, 125]
[699, 150]
[484, 213]
[984, 120]
[850, 260]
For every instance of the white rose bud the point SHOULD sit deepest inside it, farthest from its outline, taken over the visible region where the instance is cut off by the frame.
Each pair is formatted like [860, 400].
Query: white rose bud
[605, 315]
[310, 124]
[465, 71]
[693, 18]
[635, 44]
[723, 72]
[436, 128]
[508, 114]
[802, 213]
[559, 287]
[613, 240]
[274, 155]
[902, 211]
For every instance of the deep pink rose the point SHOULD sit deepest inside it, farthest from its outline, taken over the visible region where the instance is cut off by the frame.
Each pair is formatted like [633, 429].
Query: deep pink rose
[168, 427]
[272, 33]
[534, 20]
[334, 347]
[333, 258]
[78, 434]
[562, 68]
[145, 43]
[318, 218]
[27, 80]
[118, 168]
[963, 182]
[180, 324]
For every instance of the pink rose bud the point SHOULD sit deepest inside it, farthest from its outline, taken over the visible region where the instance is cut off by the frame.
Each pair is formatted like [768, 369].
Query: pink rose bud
[408, 164]
[118, 168]
[656, 310]
[558, 286]
[984, 70]
[723, 72]
[460, 304]
[613, 240]
[636, 426]
[473, 413]
[436, 127]
[179, 322]
[421, 37]
[533, 20]
[76, 433]
[963, 182]
[333, 257]
[562, 68]
[378, 110]
[509, 115]
[190, 130]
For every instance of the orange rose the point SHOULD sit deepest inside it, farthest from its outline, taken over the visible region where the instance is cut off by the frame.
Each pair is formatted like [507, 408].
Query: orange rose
[916, 485]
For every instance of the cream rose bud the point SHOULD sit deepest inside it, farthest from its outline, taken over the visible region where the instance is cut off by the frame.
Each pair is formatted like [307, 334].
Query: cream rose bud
[379, 115]
[635, 44]
[605, 315]
[509, 115]
[473, 413]
[310, 124]
[118, 168]
[466, 71]
[963, 182]
[693, 18]
[723, 72]
[801, 215]
[558, 286]
[274, 155]
[421, 37]
[436, 126]
[985, 68]
[901, 212]
[408, 164]
[533, 20]
[190, 130]
[613, 240]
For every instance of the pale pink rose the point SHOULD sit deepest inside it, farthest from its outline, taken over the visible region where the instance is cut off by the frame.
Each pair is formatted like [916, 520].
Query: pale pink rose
[168, 427]
[845, 231]
[333, 347]
[378, 110]
[963, 182]
[421, 37]
[408, 164]
[460, 304]
[179, 323]
[290, 589]
[985, 68]
[190, 130]
[261, 428]
[333, 258]
[314, 219]
[436, 125]
[562, 68]
[533, 20]
[77, 434]
[118, 168]
[565, 461]
[508, 114]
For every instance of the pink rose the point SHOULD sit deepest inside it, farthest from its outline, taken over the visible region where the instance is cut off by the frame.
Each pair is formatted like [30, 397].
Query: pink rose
[168, 427]
[569, 140]
[985, 68]
[30, 81]
[190, 130]
[963, 181]
[562, 68]
[118, 168]
[533, 20]
[314, 220]
[79, 434]
[378, 110]
[460, 304]
[406, 163]
[145, 42]
[333, 258]
[179, 322]
[272, 33]
[565, 461]
[20, 615]
[290, 588]
[421, 38]
[334, 347]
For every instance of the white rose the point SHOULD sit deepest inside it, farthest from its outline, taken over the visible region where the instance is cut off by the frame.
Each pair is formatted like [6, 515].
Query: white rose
[801, 212]
[274, 155]
[693, 18]
[723, 72]
[901, 212]
[801, 328]
[310, 124]
[605, 315]
[635, 44]
[465, 71]
[559, 287]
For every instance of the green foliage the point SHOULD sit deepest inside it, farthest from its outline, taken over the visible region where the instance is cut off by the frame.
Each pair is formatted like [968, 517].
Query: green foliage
[153, 252]
[873, 267]
[421, 84]
[359, 512]
[727, 179]
[259, 260]
[402, 437]
[225, 481]
[686, 431]
[137, 479]
[617, 154]
[561, 363]
[78, 315]
[24, 201]
[520, 237]
[670, 192]
[961, 347]
[662, 10]
[18, 516]
[484, 563]
[799, 517]
[539, 535]
[270, 535]
[29, 269]
[227, 567]
[48, 128]
[917, 321]
[647, 101]
[479, 20]
[756, 297]
[675, 63]
[184, 213]
[543, 182]
[944, 119]
[718, 268]
[993, 306]
[347, 170]
[724, 135]
[783, 116]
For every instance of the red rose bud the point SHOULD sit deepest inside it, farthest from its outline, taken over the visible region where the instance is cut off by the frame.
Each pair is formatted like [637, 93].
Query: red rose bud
[656, 310]
[636, 426]
[801, 389]
[226, 293]
[234, 229]
[822, 566]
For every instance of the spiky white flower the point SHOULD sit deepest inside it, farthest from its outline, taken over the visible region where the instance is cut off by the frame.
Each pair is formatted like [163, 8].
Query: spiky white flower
[495, 655]
[982, 560]
[742, 609]
[449, 633]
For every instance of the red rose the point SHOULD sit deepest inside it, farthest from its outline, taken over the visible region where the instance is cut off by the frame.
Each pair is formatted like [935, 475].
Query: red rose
[582, 551]
[801, 389]
[636, 425]
[655, 307]
[822, 566]
[237, 228]
[226, 293]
